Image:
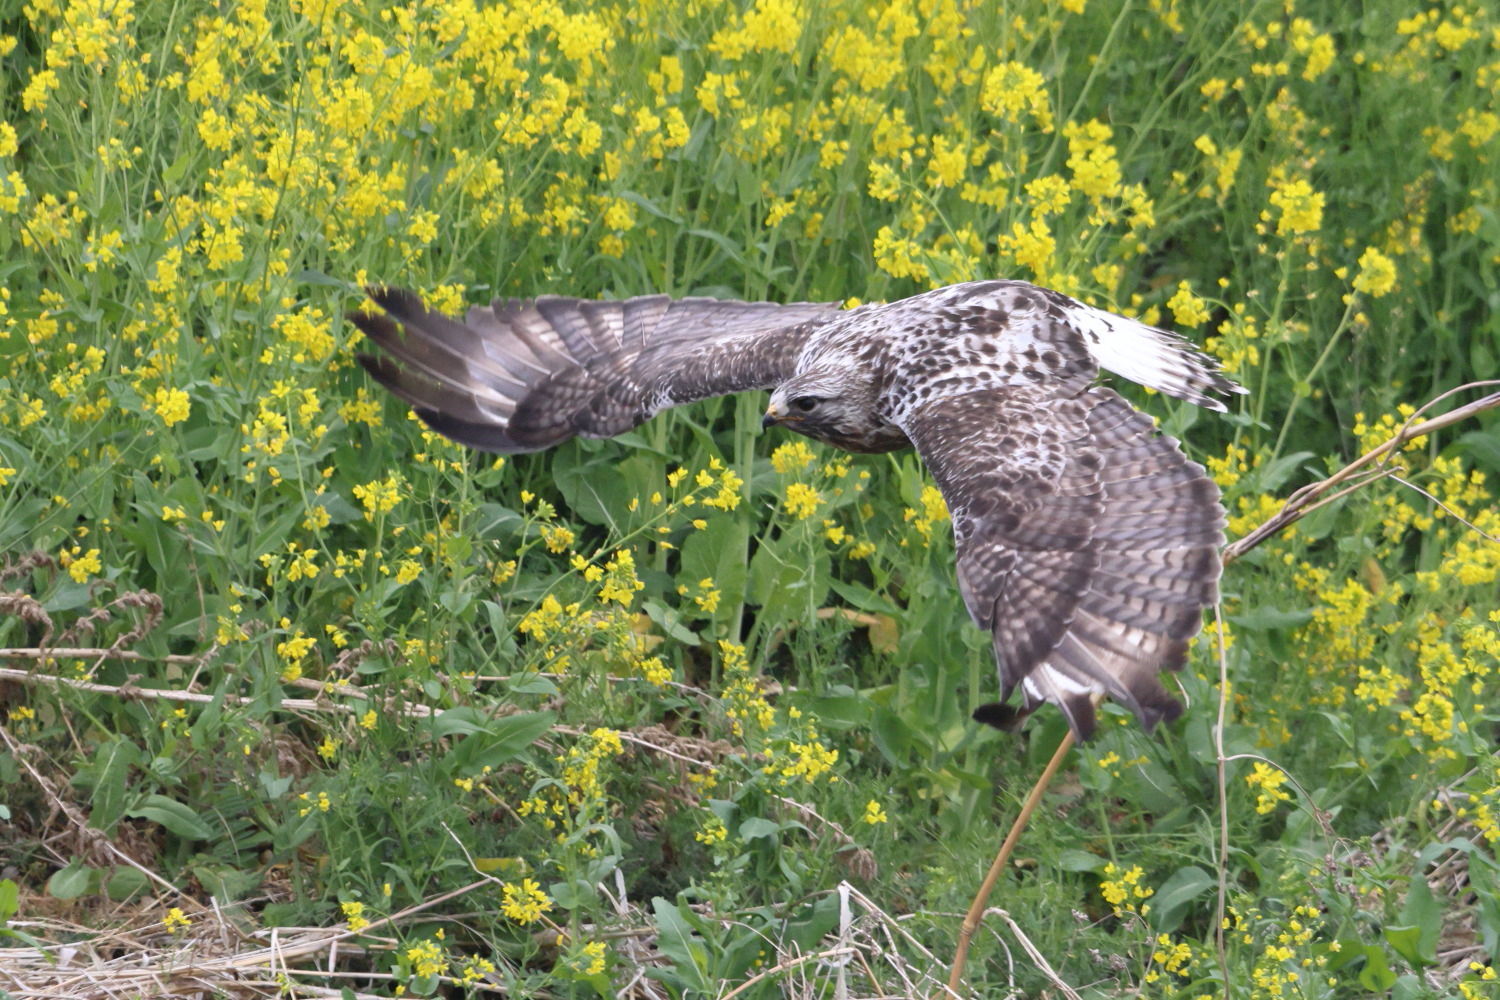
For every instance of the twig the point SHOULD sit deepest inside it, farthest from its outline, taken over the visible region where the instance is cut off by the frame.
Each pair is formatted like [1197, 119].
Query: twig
[168, 694]
[1449, 510]
[786, 966]
[1302, 501]
[1037, 958]
[976, 909]
[1222, 778]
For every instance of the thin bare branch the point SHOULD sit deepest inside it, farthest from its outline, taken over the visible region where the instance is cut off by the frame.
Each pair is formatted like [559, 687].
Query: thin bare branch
[1449, 510]
[129, 690]
[1302, 501]
[976, 912]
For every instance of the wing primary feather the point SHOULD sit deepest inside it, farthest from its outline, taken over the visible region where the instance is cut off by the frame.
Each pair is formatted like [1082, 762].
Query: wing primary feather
[523, 375]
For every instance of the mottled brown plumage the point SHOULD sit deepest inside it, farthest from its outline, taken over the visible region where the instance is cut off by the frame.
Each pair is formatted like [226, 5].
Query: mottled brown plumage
[1087, 543]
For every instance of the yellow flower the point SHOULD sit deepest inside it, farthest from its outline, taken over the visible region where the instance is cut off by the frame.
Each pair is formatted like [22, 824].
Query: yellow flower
[593, 953]
[81, 567]
[557, 537]
[1377, 274]
[1187, 308]
[379, 495]
[1122, 892]
[427, 959]
[1012, 89]
[801, 501]
[1269, 781]
[874, 813]
[354, 915]
[713, 832]
[176, 921]
[792, 456]
[524, 903]
[1300, 208]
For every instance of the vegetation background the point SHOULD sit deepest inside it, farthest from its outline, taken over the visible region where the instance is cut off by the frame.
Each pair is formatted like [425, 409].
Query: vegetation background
[619, 719]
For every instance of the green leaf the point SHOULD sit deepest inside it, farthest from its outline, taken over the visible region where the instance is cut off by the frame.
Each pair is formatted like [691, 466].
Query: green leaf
[670, 623]
[1415, 937]
[461, 721]
[72, 881]
[650, 207]
[10, 899]
[1269, 619]
[591, 486]
[497, 742]
[893, 737]
[1376, 974]
[1269, 478]
[532, 684]
[1080, 861]
[1174, 898]
[718, 552]
[757, 827]
[676, 940]
[125, 882]
[173, 815]
[113, 762]
[787, 586]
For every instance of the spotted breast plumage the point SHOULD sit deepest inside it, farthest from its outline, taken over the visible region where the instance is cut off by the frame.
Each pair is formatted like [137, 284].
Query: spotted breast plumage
[1087, 543]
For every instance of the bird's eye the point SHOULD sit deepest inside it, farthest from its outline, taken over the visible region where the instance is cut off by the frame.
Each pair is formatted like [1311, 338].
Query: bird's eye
[805, 404]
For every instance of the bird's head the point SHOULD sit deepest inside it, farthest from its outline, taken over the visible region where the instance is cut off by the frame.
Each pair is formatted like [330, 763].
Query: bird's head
[824, 405]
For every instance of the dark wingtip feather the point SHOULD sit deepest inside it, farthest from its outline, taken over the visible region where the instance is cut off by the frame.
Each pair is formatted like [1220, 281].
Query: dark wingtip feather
[1079, 711]
[1007, 718]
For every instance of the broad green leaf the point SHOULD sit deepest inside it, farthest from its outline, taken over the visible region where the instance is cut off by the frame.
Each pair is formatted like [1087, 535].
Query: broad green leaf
[494, 743]
[757, 827]
[176, 817]
[461, 721]
[1423, 917]
[1071, 860]
[677, 941]
[1264, 618]
[1175, 897]
[125, 882]
[112, 765]
[72, 881]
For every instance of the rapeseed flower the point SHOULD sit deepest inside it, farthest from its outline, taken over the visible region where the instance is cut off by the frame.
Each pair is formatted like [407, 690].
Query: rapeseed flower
[524, 903]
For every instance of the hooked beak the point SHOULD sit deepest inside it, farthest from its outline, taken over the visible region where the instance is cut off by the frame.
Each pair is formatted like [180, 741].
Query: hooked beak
[772, 417]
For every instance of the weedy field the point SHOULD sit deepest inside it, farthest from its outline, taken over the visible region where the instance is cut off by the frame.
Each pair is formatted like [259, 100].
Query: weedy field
[300, 700]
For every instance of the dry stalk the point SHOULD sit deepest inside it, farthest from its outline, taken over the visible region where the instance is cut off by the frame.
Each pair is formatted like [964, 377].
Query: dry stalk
[997, 867]
[1312, 496]
[131, 691]
[1037, 958]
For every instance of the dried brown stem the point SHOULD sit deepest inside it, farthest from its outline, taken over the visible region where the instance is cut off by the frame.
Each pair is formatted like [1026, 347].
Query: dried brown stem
[997, 867]
[129, 690]
[1309, 497]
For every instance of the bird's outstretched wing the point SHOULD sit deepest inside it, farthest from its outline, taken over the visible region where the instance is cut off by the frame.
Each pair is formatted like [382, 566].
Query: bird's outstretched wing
[520, 376]
[1087, 542]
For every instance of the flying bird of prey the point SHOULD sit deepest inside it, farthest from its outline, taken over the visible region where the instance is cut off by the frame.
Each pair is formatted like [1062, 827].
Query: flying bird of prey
[1087, 544]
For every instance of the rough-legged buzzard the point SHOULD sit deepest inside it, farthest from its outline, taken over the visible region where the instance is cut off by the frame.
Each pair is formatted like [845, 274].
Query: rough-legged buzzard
[1087, 543]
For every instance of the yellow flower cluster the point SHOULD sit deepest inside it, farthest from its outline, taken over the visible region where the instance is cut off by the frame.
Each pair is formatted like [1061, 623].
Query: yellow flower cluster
[933, 510]
[1268, 782]
[524, 903]
[1123, 890]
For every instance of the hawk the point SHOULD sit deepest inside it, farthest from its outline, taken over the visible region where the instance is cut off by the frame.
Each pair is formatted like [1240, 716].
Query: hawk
[1087, 543]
